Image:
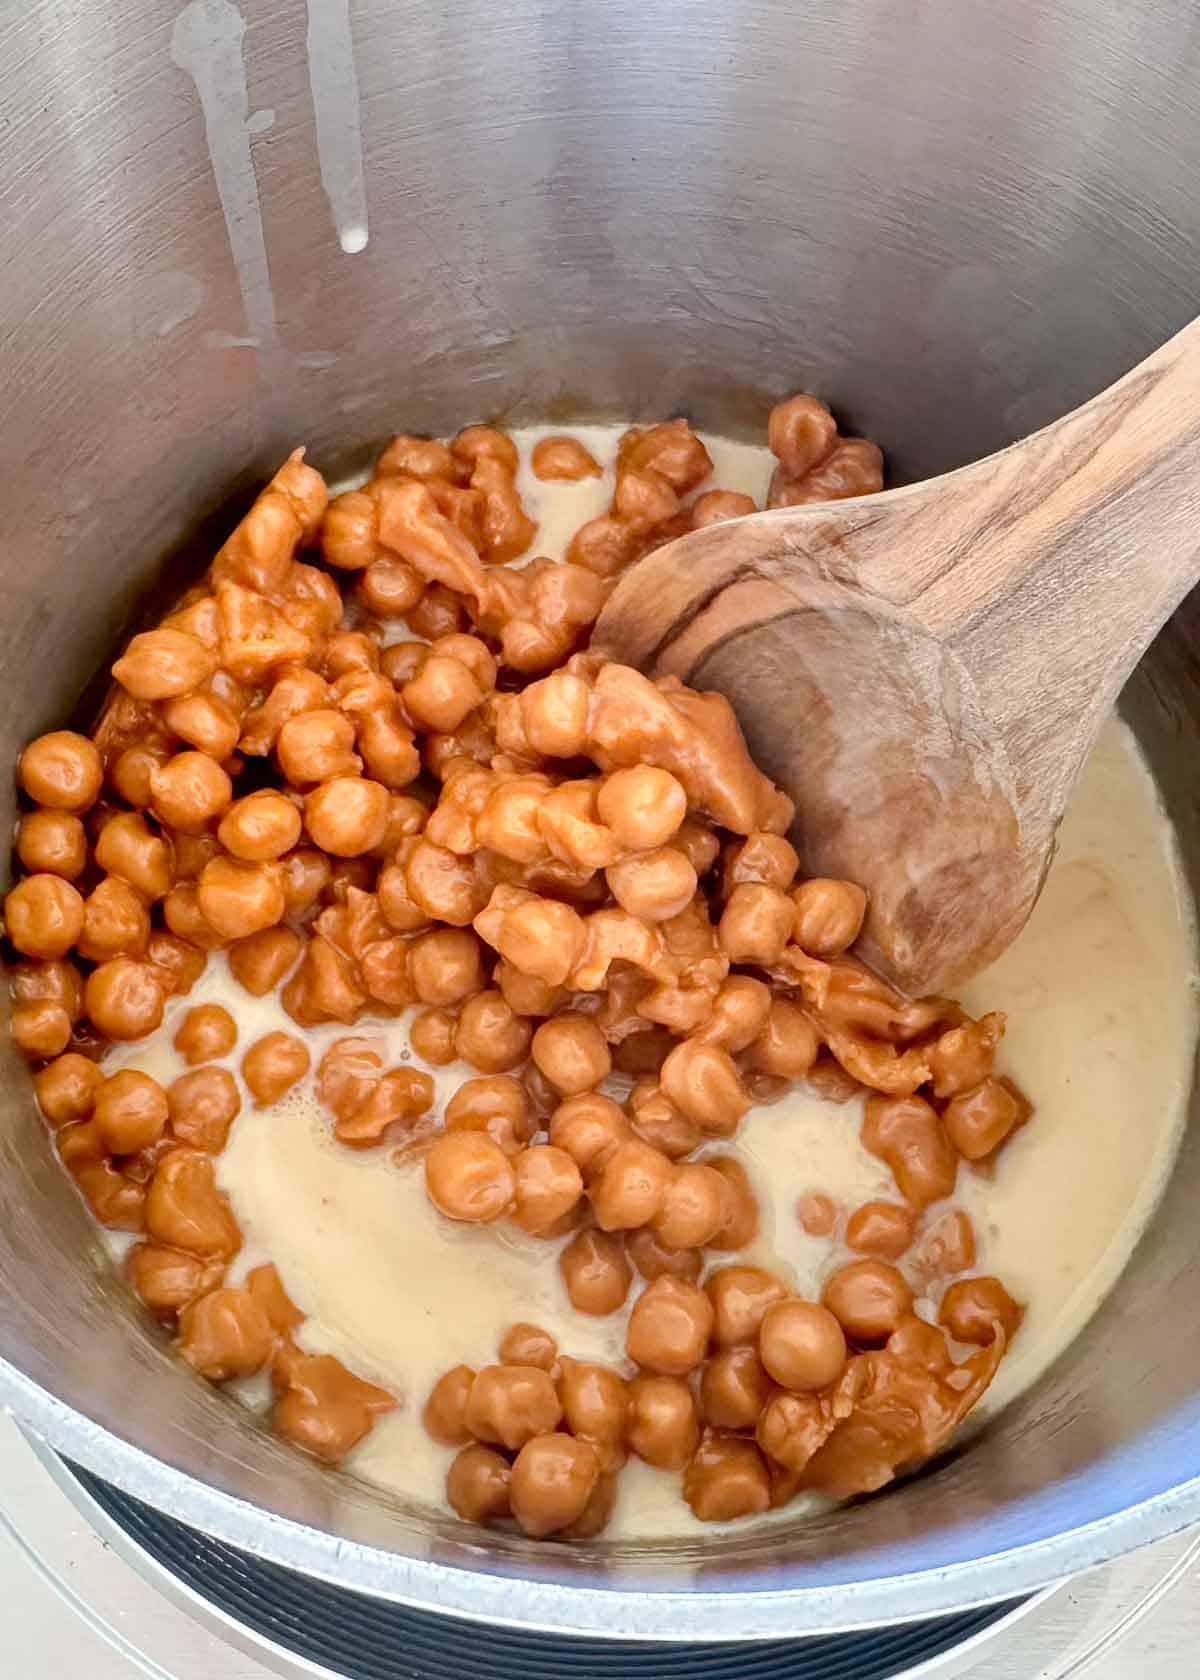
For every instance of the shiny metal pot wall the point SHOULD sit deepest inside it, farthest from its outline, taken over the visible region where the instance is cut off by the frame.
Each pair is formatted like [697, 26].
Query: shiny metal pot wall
[953, 218]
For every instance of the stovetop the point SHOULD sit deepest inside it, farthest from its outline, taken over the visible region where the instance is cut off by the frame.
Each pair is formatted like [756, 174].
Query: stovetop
[87, 1593]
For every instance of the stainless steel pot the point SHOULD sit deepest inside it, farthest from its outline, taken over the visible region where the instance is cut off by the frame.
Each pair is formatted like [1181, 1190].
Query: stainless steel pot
[953, 218]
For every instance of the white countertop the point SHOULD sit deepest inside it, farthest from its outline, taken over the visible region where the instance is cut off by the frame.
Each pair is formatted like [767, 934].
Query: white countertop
[71, 1609]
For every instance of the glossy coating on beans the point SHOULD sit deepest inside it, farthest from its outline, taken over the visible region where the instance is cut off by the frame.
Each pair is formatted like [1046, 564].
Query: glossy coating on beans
[66, 1088]
[669, 1327]
[263, 960]
[202, 1106]
[130, 1111]
[664, 1425]
[124, 998]
[547, 1186]
[62, 771]
[973, 1307]
[979, 1120]
[130, 849]
[528, 1344]
[167, 1279]
[469, 1177]
[205, 1034]
[801, 1345]
[52, 843]
[510, 1404]
[225, 1334]
[883, 1230]
[948, 1246]
[907, 1133]
[595, 1271]
[595, 1402]
[726, 1478]
[184, 1208]
[347, 815]
[828, 916]
[43, 916]
[628, 1190]
[477, 1485]
[261, 827]
[489, 1035]
[694, 1206]
[740, 1296]
[653, 1260]
[496, 1104]
[590, 1128]
[552, 1481]
[445, 1412]
[572, 1053]
[869, 1299]
[703, 1083]
[272, 1065]
[734, 1388]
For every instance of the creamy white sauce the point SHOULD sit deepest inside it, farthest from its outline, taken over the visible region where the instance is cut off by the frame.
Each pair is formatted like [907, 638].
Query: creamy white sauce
[1100, 996]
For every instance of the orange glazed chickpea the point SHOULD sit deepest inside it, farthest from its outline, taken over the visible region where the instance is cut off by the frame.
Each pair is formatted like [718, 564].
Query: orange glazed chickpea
[589, 1128]
[552, 1480]
[801, 1345]
[740, 1016]
[973, 1307]
[563, 458]
[734, 1388]
[184, 1208]
[978, 1121]
[572, 1053]
[828, 916]
[441, 694]
[949, 1247]
[787, 1046]
[653, 1260]
[726, 1478]
[756, 923]
[167, 1279]
[432, 1036]
[469, 1177]
[202, 1107]
[489, 1035]
[445, 1412]
[881, 1229]
[740, 1297]
[43, 916]
[130, 1112]
[316, 746]
[62, 771]
[347, 815]
[595, 1272]
[52, 843]
[129, 848]
[66, 1088]
[694, 1206]
[41, 1029]
[206, 1034]
[225, 1334]
[703, 1083]
[115, 922]
[528, 1344]
[548, 1185]
[664, 1428]
[237, 898]
[259, 962]
[163, 663]
[261, 827]
[477, 1485]
[907, 1134]
[446, 966]
[669, 1327]
[273, 1065]
[510, 1404]
[801, 432]
[653, 885]
[124, 998]
[189, 791]
[628, 1190]
[643, 807]
[595, 1402]
[869, 1299]
[179, 964]
[497, 1105]
[443, 884]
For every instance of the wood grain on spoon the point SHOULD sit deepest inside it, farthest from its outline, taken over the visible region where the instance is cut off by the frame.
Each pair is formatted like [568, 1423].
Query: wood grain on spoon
[924, 670]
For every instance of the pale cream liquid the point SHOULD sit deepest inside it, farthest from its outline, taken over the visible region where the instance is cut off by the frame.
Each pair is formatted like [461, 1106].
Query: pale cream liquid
[1100, 996]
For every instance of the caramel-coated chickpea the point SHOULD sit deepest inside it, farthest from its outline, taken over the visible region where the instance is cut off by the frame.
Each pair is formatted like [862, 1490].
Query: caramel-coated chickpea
[131, 770]
[595, 1402]
[741, 1297]
[654, 1260]
[191, 853]
[130, 1112]
[715, 506]
[727, 1478]
[442, 693]
[643, 806]
[439, 612]
[237, 899]
[432, 1036]
[203, 1105]
[741, 1013]
[734, 1388]
[225, 1334]
[497, 1105]
[653, 885]
[124, 998]
[883, 1230]
[978, 1121]
[446, 966]
[548, 1185]
[186, 920]
[66, 1088]
[116, 1200]
[469, 1177]
[316, 746]
[869, 1298]
[272, 1065]
[589, 1128]
[564, 458]
[57, 982]
[703, 1083]
[669, 1327]
[694, 1206]
[445, 1412]
[828, 916]
[129, 848]
[790, 1429]
[800, 434]
[347, 815]
[160, 664]
[43, 916]
[52, 843]
[948, 1247]
[166, 1279]
[489, 1035]
[307, 875]
[572, 1053]
[205, 1034]
[61, 771]
[444, 885]
[659, 1123]
[741, 1222]
[628, 1190]
[788, 1045]
[973, 1307]
[510, 1404]
[756, 923]
[189, 791]
[528, 1344]
[477, 1485]
[801, 1345]
[179, 964]
[260, 827]
[41, 1029]
[390, 587]
[907, 1133]
[184, 1208]
[663, 1427]
[595, 1272]
[115, 922]
[552, 1480]
[526, 994]
[260, 962]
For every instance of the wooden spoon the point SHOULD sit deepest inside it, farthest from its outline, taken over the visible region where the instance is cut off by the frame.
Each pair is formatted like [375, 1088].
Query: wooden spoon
[924, 670]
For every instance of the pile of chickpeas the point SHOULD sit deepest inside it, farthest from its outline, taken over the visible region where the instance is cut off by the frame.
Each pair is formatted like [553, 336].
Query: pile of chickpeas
[390, 779]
